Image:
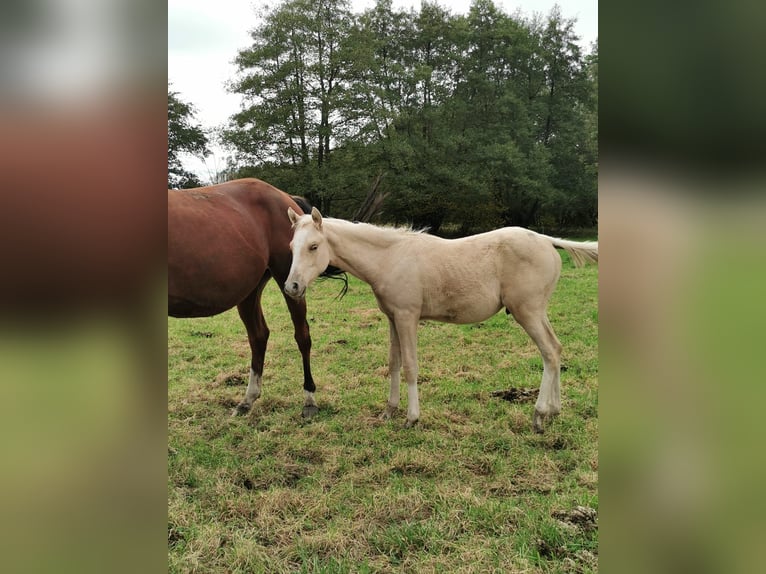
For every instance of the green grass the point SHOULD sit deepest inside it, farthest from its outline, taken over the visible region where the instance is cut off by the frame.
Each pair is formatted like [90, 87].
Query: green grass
[470, 489]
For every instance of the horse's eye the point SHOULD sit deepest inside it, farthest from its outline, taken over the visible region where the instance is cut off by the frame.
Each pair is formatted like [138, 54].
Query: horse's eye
[313, 247]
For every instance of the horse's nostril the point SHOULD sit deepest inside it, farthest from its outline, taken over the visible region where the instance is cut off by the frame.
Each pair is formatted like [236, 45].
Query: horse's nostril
[295, 286]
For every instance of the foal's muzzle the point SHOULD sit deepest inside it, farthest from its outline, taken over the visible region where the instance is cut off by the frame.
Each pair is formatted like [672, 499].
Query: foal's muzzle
[294, 290]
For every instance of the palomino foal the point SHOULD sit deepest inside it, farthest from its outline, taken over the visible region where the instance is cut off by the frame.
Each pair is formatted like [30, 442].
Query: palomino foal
[418, 276]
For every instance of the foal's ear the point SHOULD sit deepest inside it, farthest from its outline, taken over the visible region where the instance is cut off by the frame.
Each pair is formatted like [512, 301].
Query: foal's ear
[292, 215]
[317, 217]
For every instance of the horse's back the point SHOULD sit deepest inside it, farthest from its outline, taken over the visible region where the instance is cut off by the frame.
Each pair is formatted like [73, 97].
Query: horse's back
[482, 252]
[483, 270]
[222, 198]
[221, 240]
[528, 267]
[214, 219]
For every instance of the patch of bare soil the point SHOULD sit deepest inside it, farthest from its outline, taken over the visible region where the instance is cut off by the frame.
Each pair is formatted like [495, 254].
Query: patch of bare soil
[581, 517]
[175, 536]
[228, 402]
[203, 334]
[516, 395]
[230, 380]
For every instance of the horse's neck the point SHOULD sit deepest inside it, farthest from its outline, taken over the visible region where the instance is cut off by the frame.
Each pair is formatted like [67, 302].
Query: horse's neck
[360, 249]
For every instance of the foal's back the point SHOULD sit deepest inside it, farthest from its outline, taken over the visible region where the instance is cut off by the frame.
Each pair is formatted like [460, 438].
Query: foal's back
[470, 279]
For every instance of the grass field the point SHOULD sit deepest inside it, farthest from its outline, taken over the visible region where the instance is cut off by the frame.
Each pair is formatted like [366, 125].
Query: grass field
[470, 489]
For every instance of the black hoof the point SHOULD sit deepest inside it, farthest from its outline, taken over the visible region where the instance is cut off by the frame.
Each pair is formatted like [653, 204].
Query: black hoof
[309, 411]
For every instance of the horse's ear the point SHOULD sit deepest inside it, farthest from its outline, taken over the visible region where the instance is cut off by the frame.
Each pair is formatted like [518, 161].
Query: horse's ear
[292, 215]
[317, 217]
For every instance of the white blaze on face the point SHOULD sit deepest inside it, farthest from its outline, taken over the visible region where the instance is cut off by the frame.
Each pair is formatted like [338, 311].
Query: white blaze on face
[310, 252]
[295, 285]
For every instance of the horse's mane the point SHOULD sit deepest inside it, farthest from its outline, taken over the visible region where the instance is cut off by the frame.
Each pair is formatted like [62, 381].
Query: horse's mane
[401, 229]
[302, 203]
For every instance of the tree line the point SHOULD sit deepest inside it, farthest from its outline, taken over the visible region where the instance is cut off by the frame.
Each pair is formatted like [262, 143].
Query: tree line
[183, 137]
[463, 122]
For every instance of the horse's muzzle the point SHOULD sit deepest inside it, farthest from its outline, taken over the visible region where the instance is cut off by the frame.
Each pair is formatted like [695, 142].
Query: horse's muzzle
[294, 290]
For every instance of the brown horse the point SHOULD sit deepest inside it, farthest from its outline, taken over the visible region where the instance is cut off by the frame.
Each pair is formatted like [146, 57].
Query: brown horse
[224, 244]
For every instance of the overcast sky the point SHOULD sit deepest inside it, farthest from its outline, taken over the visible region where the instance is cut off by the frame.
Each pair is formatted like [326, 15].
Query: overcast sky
[204, 37]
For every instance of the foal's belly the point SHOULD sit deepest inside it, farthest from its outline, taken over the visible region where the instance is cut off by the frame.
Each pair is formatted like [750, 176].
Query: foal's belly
[461, 308]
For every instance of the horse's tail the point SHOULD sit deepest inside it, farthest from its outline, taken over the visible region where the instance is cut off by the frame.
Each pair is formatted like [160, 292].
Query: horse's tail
[331, 272]
[581, 252]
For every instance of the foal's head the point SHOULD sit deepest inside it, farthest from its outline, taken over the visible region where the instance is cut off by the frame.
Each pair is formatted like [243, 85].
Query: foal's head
[311, 254]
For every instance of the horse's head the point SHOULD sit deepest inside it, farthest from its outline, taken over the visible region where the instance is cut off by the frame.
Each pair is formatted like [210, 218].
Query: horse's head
[311, 254]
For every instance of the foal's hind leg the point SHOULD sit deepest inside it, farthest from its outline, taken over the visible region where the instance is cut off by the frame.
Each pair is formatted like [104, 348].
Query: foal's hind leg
[535, 323]
[303, 338]
[251, 313]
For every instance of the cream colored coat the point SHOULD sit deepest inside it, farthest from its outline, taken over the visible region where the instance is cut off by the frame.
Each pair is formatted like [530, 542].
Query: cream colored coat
[418, 276]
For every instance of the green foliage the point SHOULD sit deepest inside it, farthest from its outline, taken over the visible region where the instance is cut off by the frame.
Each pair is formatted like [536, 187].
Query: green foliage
[183, 137]
[477, 121]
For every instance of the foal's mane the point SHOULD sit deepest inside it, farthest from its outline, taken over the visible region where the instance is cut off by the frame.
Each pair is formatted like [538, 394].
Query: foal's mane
[382, 230]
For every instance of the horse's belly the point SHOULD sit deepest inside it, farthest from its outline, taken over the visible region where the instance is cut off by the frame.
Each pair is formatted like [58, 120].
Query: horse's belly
[462, 309]
[203, 289]
[185, 308]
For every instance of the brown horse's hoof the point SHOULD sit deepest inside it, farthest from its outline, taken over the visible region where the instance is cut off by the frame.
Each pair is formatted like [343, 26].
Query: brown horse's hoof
[309, 411]
[240, 410]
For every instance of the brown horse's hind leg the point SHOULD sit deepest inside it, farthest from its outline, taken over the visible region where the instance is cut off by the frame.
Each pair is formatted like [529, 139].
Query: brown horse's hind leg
[535, 323]
[251, 313]
[303, 338]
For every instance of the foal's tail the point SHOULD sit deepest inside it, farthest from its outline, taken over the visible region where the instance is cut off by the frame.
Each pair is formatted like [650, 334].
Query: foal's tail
[582, 252]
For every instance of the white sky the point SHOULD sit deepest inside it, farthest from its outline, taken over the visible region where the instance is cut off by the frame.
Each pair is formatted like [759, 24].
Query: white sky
[204, 37]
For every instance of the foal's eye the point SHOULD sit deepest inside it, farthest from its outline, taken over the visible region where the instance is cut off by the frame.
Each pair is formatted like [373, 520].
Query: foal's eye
[313, 247]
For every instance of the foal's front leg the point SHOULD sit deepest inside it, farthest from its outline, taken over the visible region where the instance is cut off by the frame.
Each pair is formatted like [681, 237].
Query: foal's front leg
[394, 367]
[407, 329]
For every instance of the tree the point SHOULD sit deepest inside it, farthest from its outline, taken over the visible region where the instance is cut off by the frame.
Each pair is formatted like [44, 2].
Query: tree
[569, 104]
[183, 137]
[477, 121]
[292, 78]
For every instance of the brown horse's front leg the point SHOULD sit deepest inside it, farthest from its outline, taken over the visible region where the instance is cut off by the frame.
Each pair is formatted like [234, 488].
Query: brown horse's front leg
[303, 339]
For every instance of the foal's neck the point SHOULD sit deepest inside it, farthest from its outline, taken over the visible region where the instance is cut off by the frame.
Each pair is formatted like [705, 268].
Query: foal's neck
[359, 248]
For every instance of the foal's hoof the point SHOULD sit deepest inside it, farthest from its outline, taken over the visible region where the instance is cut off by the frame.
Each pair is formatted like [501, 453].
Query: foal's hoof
[240, 410]
[309, 411]
[538, 421]
[409, 424]
[387, 414]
